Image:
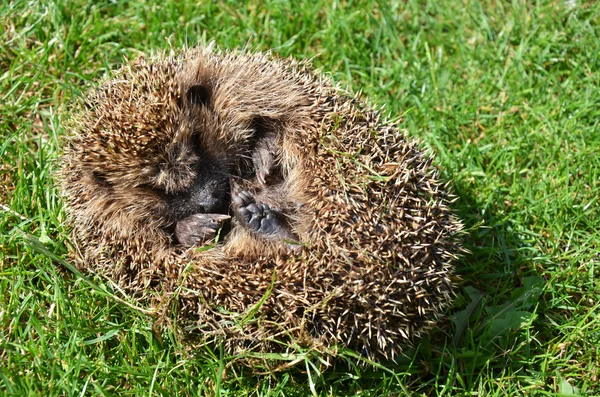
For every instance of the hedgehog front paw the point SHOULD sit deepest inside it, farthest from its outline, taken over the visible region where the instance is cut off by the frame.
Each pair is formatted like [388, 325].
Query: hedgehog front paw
[199, 228]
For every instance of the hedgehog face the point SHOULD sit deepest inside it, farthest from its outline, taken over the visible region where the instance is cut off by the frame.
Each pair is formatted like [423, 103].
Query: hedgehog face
[150, 149]
[193, 172]
[164, 142]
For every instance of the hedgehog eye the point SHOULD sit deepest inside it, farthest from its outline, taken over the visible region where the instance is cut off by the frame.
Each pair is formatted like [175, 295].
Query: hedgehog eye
[198, 95]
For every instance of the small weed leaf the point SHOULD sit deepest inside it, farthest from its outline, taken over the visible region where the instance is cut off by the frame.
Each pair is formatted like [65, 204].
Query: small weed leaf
[500, 327]
[461, 318]
[502, 319]
[565, 388]
[527, 296]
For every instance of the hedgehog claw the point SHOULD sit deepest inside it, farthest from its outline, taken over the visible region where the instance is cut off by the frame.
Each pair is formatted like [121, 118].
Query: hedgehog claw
[261, 176]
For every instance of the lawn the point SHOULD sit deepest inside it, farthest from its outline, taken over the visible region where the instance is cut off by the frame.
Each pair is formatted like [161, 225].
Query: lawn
[505, 93]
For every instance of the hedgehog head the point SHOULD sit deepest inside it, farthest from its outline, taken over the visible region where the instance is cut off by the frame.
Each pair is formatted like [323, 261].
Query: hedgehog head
[171, 134]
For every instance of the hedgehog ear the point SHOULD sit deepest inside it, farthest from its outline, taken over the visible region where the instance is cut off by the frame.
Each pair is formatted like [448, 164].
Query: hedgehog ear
[198, 95]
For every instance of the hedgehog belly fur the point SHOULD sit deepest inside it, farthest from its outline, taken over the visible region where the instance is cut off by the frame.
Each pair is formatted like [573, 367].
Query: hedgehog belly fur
[377, 239]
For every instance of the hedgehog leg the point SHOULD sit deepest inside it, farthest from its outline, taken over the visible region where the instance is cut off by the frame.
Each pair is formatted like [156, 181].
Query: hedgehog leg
[263, 220]
[199, 228]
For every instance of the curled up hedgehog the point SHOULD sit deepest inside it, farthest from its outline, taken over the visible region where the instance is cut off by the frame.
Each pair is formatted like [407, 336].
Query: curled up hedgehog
[270, 207]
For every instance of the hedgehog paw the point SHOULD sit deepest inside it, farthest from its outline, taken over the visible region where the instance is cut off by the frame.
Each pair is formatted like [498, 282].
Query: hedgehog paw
[261, 218]
[199, 228]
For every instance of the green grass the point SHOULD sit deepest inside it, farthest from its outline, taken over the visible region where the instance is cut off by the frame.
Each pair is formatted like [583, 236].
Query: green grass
[506, 93]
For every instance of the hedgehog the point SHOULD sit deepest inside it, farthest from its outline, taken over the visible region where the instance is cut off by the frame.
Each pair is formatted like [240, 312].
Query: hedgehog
[273, 209]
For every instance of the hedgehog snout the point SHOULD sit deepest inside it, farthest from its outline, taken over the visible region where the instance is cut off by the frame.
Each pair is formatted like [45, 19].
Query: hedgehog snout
[211, 194]
[214, 202]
